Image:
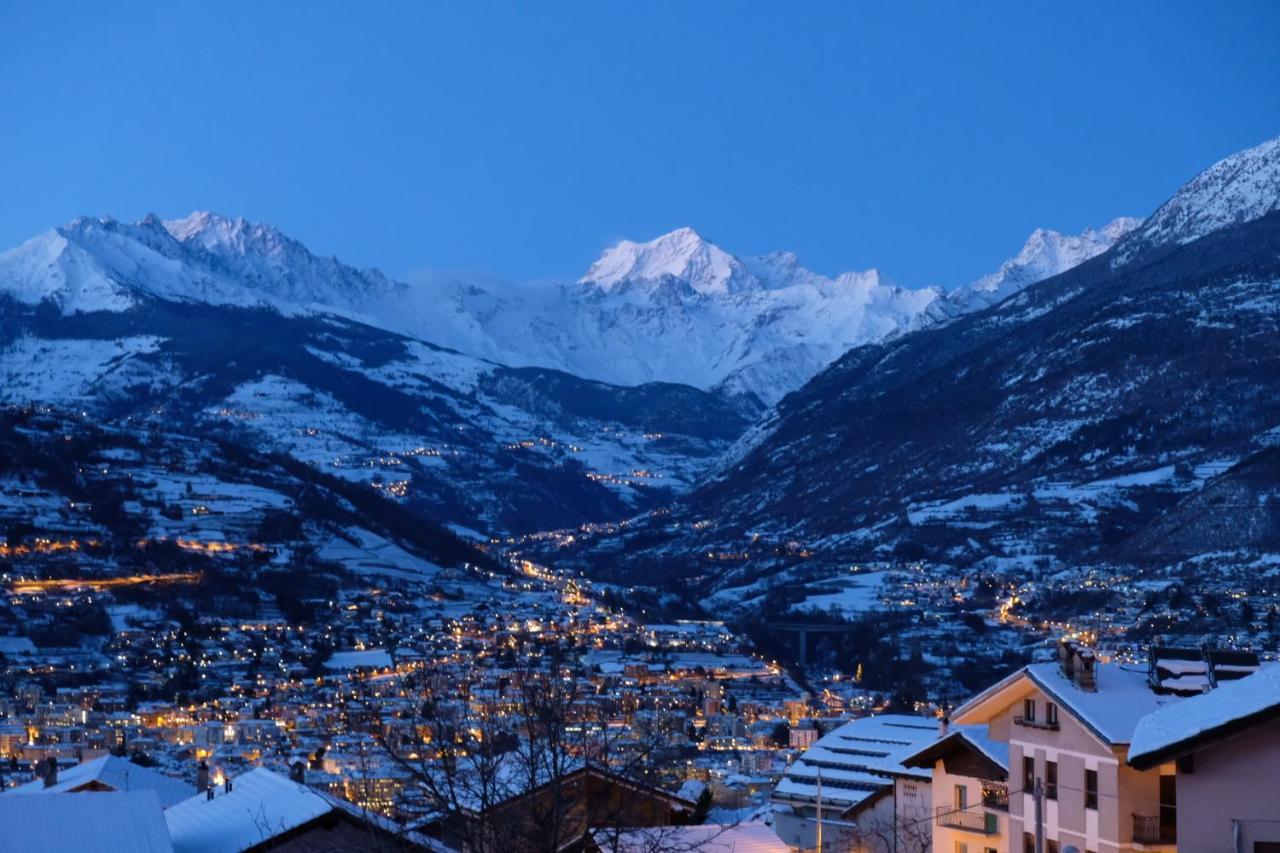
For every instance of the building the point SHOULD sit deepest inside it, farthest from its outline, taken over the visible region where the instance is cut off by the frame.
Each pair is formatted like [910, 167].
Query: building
[115, 821]
[970, 790]
[1226, 748]
[852, 782]
[565, 813]
[262, 810]
[108, 773]
[1068, 726]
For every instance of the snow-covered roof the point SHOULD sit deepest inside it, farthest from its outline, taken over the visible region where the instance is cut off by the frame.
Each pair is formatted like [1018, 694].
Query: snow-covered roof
[372, 658]
[260, 805]
[119, 774]
[977, 737]
[709, 838]
[858, 760]
[1122, 697]
[1169, 730]
[1112, 711]
[108, 822]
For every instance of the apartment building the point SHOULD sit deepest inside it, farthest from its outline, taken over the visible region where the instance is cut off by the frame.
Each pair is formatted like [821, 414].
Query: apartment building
[1068, 726]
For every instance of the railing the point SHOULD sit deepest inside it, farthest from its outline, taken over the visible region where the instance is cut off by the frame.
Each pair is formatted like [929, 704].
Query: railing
[1035, 724]
[995, 795]
[1148, 829]
[972, 821]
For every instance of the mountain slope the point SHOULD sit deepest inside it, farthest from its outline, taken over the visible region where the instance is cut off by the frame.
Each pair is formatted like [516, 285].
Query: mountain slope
[1055, 426]
[220, 329]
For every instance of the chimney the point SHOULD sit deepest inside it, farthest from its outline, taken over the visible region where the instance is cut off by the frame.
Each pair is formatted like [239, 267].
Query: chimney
[50, 772]
[1077, 663]
[202, 776]
[227, 785]
[298, 771]
[944, 723]
[208, 794]
[1066, 658]
[1086, 678]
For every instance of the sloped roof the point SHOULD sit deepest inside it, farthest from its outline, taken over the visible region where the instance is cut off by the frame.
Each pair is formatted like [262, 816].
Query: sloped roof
[118, 774]
[106, 822]
[858, 760]
[974, 737]
[260, 806]
[1111, 712]
[1180, 728]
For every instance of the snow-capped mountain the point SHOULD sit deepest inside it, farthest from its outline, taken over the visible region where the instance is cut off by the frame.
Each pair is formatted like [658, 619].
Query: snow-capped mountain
[1240, 188]
[1045, 254]
[676, 309]
[107, 265]
[209, 327]
[681, 309]
[1122, 413]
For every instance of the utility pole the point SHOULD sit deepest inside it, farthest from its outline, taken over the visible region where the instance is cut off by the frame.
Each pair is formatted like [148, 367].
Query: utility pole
[819, 846]
[1039, 797]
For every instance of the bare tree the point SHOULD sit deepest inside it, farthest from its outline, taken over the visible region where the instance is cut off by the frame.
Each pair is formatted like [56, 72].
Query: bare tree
[532, 764]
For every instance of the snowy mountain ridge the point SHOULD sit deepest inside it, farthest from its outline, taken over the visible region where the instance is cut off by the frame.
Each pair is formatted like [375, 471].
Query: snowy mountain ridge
[675, 309]
[680, 308]
[1237, 189]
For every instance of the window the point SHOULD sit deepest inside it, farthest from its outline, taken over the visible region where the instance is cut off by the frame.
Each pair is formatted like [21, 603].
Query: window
[1028, 773]
[1050, 845]
[962, 847]
[962, 797]
[1051, 714]
[1028, 710]
[1091, 789]
[1051, 780]
[1028, 843]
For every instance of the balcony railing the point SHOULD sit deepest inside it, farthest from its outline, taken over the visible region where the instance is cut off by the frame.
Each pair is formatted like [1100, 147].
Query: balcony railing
[1148, 829]
[995, 795]
[983, 822]
[1051, 725]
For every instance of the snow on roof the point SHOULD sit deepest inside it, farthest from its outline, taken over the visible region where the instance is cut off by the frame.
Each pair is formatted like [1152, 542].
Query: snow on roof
[977, 736]
[261, 805]
[709, 838]
[1171, 727]
[119, 774]
[858, 760]
[372, 658]
[108, 822]
[1112, 711]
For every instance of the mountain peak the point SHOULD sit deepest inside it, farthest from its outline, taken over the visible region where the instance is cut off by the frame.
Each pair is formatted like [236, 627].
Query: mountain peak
[682, 254]
[214, 232]
[1236, 189]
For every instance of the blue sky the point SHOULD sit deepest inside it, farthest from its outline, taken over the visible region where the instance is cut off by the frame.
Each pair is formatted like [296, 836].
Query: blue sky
[927, 140]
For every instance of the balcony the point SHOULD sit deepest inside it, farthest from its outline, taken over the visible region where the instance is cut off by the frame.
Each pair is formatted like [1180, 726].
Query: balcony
[980, 822]
[995, 795]
[1149, 829]
[1047, 725]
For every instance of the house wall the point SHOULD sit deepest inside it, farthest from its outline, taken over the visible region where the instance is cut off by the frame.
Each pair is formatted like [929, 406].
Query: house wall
[1232, 780]
[897, 821]
[1122, 791]
[945, 838]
